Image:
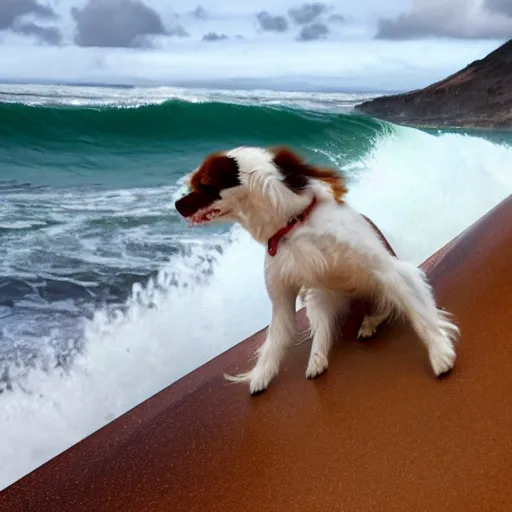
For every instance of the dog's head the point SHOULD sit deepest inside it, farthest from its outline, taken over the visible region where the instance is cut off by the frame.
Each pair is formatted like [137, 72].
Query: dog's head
[227, 186]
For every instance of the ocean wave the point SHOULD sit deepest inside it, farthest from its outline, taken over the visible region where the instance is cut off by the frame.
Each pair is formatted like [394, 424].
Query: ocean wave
[107, 297]
[177, 122]
[95, 96]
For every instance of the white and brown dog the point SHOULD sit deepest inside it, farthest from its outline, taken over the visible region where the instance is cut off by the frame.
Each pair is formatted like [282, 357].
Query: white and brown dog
[318, 246]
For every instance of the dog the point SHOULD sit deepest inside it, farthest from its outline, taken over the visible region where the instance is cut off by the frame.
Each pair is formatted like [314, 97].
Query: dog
[318, 248]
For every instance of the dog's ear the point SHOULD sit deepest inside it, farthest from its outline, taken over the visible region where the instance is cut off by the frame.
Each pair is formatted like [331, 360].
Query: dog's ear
[217, 172]
[294, 170]
[297, 173]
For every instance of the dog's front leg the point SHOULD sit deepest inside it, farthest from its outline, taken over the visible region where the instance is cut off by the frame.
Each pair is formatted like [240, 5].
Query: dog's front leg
[280, 335]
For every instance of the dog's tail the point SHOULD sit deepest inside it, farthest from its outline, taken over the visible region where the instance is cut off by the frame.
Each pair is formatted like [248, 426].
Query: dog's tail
[242, 377]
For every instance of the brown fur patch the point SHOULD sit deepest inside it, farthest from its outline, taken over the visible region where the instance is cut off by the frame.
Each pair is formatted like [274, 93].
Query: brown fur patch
[217, 172]
[296, 173]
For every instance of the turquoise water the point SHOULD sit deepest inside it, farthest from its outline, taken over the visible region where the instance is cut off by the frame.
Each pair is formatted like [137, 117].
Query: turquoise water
[106, 296]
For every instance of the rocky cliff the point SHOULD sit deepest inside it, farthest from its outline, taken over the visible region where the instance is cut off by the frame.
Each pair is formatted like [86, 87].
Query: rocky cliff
[479, 95]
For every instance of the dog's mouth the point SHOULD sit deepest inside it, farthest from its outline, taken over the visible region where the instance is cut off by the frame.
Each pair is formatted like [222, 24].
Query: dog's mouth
[199, 208]
[205, 215]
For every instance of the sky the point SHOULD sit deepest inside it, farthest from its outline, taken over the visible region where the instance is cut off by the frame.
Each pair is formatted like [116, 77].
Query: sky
[359, 45]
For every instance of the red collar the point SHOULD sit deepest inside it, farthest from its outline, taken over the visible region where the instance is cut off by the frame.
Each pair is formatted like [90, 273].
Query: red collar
[274, 240]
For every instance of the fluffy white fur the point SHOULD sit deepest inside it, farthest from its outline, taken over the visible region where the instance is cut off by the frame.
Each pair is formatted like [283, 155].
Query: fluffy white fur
[333, 257]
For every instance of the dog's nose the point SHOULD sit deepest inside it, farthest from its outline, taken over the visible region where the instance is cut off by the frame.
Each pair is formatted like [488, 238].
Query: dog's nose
[191, 203]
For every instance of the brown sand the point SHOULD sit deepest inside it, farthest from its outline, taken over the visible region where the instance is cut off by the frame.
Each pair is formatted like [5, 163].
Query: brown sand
[376, 432]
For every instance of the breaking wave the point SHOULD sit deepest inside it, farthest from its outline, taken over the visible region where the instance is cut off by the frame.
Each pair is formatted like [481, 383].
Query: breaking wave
[420, 188]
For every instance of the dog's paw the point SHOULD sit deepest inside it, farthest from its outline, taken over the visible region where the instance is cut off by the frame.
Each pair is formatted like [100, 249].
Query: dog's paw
[367, 330]
[317, 365]
[260, 380]
[442, 358]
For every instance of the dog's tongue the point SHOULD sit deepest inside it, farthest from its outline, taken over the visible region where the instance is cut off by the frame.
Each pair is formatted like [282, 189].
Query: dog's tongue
[192, 203]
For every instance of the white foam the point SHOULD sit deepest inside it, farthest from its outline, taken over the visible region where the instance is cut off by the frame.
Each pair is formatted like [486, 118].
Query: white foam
[423, 190]
[142, 96]
[167, 332]
[420, 189]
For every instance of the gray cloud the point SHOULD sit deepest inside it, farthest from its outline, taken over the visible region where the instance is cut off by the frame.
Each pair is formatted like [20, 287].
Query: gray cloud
[405, 27]
[213, 36]
[308, 12]
[336, 18]
[178, 31]
[48, 35]
[116, 23]
[271, 23]
[453, 19]
[11, 10]
[200, 13]
[499, 6]
[313, 32]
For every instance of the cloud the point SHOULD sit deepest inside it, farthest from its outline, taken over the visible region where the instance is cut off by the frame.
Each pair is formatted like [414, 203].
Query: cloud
[271, 23]
[499, 6]
[200, 13]
[11, 10]
[213, 36]
[336, 18]
[178, 31]
[464, 19]
[48, 35]
[308, 12]
[116, 23]
[313, 32]
[347, 65]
